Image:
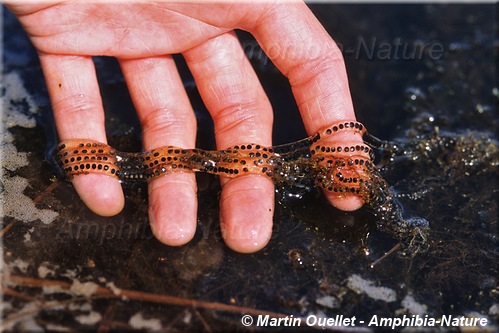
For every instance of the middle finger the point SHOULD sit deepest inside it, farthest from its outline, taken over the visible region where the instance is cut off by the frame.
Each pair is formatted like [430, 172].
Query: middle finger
[241, 113]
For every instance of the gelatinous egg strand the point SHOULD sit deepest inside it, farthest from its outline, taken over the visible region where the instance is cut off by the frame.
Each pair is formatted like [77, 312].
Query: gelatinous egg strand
[335, 165]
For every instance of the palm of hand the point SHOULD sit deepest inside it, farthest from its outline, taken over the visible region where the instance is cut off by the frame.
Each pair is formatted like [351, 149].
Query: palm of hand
[123, 30]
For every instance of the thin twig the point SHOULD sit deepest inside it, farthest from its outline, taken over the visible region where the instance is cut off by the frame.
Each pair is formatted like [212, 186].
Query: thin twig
[16, 294]
[102, 292]
[46, 191]
[393, 249]
[36, 200]
[7, 228]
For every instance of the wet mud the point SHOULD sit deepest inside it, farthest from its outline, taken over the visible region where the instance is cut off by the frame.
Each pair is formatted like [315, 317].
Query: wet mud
[65, 268]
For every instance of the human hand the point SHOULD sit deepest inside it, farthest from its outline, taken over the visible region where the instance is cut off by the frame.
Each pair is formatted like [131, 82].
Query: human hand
[142, 36]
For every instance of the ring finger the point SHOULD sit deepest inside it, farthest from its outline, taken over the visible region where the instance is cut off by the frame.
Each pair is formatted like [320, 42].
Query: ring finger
[167, 118]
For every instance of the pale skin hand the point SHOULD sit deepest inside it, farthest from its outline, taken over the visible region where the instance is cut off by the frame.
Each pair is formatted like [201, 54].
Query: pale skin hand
[142, 36]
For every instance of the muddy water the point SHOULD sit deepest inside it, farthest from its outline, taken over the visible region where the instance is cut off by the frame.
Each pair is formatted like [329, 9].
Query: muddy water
[422, 76]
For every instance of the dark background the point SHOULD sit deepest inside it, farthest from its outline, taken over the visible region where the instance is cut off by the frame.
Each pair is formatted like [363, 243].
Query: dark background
[439, 110]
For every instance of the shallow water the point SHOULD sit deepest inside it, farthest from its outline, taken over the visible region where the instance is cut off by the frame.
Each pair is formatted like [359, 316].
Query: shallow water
[65, 267]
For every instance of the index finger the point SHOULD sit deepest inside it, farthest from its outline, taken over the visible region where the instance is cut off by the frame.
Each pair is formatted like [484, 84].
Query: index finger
[301, 48]
[304, 52]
